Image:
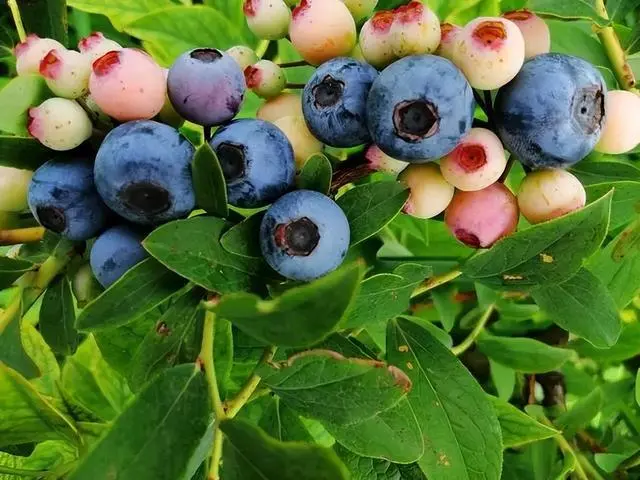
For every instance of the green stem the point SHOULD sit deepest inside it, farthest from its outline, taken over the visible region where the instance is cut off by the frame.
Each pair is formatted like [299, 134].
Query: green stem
[615, 52]
[242, 397]
[295, 86]
[216, 454]
[21, 472]
[299, 63]
[435, 282]
[50, 269]
[21, 235]
[467, 342]
[566, 448]
[17, 19]
[591, 471]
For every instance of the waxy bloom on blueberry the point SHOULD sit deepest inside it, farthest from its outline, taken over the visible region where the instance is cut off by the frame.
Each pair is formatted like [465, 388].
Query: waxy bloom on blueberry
[490, 51]
[114, 252]
[376, 39]
[14, 186]
[66, 73]
[621, 131]
[477, 162]
[59, 124]
[284, 105]
[322, 30]
[430, 194]
[267, 19]
[96, 45]
[266, 79]
[481, 218]
[30, 53]
[304, 235]
[550, 193]
[415, 30]
[537, 38]
[128, 85]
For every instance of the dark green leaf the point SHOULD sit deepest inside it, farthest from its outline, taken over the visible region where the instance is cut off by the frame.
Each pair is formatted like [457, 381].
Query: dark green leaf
[192, 249]
[46, 456]
[504, 379]
[300, 317]
[618, 9]
[249, 454]
[51, 244]
[316, 174]
[142, 288]
[160, 347]
[121, 12]
[160, 435]
[283, 424]
[12, 351]
[12, 269]
[571, 9]
[367, 468]
[583, 306]
[57, 318]
[605, 170]
[626, 200]
[523, 354]
[370, 207]
[632, 45]
[518, 428]
[618, 265]
[26, 416]
[244, 238]
[446, 305]
[46, 18]
[627, 346]
[385, 295]
[581, 413]
[549, 252]
[16, 98]
[459, 424]
[208, 182]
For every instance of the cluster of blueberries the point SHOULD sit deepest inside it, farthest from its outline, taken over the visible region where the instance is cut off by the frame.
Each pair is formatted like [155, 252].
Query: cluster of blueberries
[406, 92]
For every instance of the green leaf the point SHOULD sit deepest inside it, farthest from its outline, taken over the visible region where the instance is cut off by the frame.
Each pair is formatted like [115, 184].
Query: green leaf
[288, 53]
[12, 269]
[160, 435]
[244, 238]
[26, 416]
[637, 389]
[57, 318]
[458, 422]
[12, 351]
[181, 28]
[518, 428]
[46, 18]
[22, 152]
[209, 182]
[627, 346]
[626, 200]
[367, 468]
[316, 174]
[300, 317]
[504, 379]
[233, 11]
[90, 383]
[549, 252]
[249, 454]
[523, 354]
[618, 265]
[618, 9]
[568, 9]
[583, 306]
[192, 249]
[46, 456]
[47, 383]
[20, 94]
[370, 207]
[608, 169]
[120, 12]
[581, 413]
[161, 345]
[142, 288]
[447, 307]
[385, 295]
[283, 424]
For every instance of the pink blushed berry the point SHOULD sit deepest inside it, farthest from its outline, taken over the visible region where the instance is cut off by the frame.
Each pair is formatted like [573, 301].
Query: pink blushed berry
[537, 37]
[96, 45]
[30, 53]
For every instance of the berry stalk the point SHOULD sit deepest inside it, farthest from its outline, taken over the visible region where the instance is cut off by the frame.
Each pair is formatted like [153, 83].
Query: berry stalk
[21, 235]
[17, 19]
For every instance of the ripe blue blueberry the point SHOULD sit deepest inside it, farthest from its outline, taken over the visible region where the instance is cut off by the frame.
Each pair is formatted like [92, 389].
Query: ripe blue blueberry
[419, 108]
[63, 198]
[304, 235]
[552, 113]
[114, 252]
[257, 161]
[206, 86]
[334, 102]
[143, 172]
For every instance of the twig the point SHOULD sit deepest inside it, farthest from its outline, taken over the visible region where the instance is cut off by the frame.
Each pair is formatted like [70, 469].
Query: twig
[17, 19]
[435, 282]
[299, 63]
[468, 342]
[295, 86]
[21, 235]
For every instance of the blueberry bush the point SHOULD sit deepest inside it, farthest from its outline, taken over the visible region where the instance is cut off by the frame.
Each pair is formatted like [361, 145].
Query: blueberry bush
[319, 239]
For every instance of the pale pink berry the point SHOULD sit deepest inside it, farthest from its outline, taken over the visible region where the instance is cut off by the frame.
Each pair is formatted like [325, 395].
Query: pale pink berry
[96, 45]
[376, 39]
[302, 140]
[537, 37]
[267, 19]
[430, 192]
[66, 73]
[550, 193]
[621, 131]
[30, 53]
[481, 218]
[14, 188]
[360, 9]
[477, 162]
[59, 123]
[490, 52]
[284, 105]
[322, 29]
[266, 79]
[448, 36]
[244, 56]
[128, 85]
[415, 30]
[378, 161]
